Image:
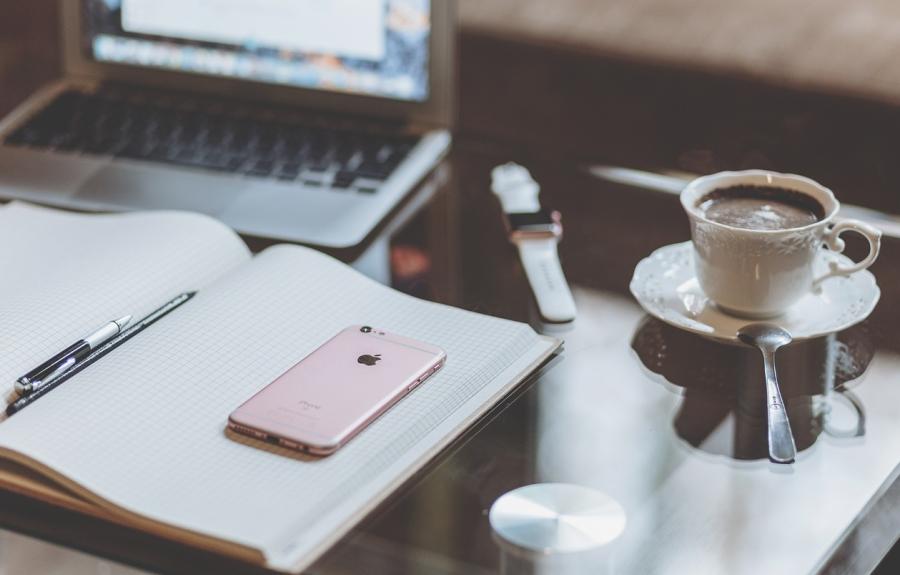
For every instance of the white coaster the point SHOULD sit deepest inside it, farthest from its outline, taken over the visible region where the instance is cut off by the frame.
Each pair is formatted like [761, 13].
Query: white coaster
[557, 517]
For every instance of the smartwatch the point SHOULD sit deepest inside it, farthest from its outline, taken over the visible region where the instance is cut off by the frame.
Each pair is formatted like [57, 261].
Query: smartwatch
[535, 232]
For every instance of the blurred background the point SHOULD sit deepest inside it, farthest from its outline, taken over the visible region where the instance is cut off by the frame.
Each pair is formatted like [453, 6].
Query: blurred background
[690, 85]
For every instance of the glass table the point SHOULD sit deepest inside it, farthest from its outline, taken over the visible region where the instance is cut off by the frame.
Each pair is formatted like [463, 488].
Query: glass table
[668, 424]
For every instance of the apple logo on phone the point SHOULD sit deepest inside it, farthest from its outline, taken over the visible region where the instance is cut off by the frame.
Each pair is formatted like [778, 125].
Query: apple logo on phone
[367, 359]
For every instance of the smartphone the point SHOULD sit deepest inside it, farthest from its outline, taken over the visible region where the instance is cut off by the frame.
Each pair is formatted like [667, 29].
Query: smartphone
[321, 402]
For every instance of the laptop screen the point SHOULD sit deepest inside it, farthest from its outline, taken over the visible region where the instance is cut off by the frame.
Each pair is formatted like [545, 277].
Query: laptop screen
[371, 47]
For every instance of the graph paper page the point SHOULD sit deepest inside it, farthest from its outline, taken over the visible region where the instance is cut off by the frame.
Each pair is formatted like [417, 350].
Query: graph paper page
[63, 275]
[145, 429]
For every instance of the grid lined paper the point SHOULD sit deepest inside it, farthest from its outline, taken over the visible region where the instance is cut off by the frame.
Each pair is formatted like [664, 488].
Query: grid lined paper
[145, 428]
[64, 275]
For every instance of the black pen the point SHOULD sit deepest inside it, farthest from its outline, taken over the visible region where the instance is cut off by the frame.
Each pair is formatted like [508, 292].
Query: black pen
[69, 356]
[104, 349]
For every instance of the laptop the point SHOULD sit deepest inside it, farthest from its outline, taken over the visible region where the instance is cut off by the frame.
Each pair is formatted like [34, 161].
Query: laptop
[293, 120]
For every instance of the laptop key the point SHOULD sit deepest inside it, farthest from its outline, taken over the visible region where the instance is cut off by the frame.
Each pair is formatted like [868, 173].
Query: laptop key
[188, 157]
[354, 162]
[318, 165]
[214, 158]
[260, 168]
[221, 162]
[384, 153]
[288, 171]
[343, 179]
[233, 163]
[373, 171]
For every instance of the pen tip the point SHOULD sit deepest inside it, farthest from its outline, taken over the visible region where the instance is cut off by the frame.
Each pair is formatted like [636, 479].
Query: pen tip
[123, 321]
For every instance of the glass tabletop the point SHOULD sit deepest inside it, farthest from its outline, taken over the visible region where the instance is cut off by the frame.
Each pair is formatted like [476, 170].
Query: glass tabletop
[668, 424]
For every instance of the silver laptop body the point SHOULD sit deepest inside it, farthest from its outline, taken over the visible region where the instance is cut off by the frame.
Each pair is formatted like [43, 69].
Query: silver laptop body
[339, 122]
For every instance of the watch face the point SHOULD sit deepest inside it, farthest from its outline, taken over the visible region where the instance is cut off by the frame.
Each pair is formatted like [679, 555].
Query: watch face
[542, 223]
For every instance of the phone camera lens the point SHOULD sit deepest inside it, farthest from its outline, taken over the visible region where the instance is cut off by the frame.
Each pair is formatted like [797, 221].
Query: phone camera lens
[365, 329]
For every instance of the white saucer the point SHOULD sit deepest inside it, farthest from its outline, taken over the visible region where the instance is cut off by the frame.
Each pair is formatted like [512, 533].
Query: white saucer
[665, 286]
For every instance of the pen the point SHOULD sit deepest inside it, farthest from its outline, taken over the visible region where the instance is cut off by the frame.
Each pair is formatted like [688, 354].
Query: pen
[61, 369]
[78, 350]
[104, 349]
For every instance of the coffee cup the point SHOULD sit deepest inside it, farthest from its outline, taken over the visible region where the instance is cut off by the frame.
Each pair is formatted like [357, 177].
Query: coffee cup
[759, 265]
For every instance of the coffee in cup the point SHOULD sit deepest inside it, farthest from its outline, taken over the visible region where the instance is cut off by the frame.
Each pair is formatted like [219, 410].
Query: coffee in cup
[760, 208]
[758, 234]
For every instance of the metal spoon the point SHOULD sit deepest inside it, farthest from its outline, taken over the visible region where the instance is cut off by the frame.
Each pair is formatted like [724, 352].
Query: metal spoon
[768, 338]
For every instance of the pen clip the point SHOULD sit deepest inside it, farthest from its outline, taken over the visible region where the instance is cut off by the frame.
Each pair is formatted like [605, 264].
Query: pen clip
[63, 367]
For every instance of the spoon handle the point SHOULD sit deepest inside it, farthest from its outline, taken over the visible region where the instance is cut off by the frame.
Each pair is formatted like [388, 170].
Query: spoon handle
[781, 440]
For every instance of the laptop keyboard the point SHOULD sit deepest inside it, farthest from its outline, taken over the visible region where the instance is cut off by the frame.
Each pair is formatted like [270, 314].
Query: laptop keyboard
[188, 134]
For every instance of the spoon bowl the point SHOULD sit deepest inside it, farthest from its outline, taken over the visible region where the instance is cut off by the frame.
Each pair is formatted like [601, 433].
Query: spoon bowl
[770, 335]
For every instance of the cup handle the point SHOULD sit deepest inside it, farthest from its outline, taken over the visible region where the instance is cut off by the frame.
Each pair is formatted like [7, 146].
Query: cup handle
[834, 242]
[851, 433]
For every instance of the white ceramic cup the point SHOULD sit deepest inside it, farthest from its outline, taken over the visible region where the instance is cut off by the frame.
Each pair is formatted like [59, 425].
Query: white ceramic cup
[760, 273]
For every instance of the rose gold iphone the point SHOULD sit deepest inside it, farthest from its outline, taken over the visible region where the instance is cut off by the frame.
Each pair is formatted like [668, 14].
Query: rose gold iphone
[336, 391]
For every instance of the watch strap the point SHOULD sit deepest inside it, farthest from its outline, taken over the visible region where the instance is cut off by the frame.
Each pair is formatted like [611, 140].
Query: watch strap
[548, 282]
[518, 193]
[516, 190]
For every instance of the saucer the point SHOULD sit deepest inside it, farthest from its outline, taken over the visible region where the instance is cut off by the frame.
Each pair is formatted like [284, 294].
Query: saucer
[665, 286]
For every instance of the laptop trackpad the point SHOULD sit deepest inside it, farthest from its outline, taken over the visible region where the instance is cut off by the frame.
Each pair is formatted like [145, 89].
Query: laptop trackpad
[154, 188]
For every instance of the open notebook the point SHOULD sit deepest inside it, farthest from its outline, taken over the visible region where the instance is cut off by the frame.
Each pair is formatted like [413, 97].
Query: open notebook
[140, 436]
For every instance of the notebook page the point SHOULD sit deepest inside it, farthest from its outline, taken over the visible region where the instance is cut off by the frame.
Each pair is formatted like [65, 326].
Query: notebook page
[63, 275]
[155, 441]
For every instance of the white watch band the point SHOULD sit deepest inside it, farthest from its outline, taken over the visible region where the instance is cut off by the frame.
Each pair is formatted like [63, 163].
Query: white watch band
[518, 193]
[541, 262]
[522, 197]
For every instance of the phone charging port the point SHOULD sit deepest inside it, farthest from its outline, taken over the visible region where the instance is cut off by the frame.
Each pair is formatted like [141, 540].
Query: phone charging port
[272, 439]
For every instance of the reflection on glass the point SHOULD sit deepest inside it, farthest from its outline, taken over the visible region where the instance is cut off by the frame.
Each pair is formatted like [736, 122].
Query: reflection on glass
[515, 561]
[723, 411]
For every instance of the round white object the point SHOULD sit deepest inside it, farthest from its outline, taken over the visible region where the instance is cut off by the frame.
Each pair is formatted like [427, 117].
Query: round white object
[557, 517]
